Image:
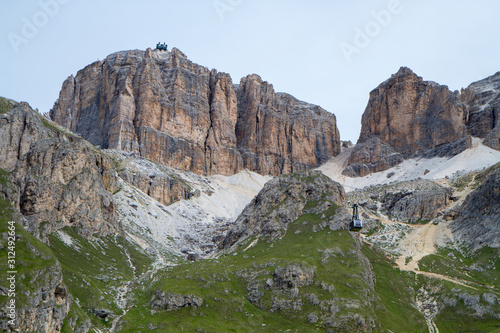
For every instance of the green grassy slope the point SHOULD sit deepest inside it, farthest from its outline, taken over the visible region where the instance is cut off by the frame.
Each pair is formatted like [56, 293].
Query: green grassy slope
[467, 309]
[339, 296]
[94, 270]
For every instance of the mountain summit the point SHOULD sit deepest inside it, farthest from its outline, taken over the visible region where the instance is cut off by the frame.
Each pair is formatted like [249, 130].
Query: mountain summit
[407, 116]
[168, 109]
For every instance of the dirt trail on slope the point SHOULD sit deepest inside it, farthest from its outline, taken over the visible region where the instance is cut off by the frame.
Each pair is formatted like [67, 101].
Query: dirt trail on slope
[334, 167]
[420, 243]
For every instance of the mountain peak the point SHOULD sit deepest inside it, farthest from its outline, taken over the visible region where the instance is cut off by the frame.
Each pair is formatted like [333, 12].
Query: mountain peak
[404, 71]
[173, 111]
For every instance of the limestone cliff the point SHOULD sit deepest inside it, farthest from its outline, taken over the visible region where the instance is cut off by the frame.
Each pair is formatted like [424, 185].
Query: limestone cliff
[407, 116]
[483, 115]
[58, 177]
[478, 218]
[168, 109]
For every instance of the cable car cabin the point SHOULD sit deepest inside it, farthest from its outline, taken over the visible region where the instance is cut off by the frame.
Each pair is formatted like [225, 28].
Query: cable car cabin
[356, 223]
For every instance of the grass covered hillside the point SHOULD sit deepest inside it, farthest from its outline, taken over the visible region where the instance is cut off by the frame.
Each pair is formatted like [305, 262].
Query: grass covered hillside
[315, 278]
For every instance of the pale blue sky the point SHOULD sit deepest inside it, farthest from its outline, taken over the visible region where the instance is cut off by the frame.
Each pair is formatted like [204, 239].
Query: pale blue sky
[310, 49]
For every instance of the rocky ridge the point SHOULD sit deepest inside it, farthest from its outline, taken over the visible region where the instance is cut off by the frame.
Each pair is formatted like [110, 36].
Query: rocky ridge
[282, 201]
[58, 177]
[166, 108]
[408, 117]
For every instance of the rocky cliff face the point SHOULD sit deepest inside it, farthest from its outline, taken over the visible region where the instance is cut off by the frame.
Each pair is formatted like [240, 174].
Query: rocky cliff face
[276, 133]
[58, 177]
[170, 110]
[42, 300]
[407, 116]
[478, 223]
[483, 114]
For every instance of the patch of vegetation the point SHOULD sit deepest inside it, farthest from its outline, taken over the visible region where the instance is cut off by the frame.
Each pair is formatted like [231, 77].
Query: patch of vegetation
[95, 269]
[307, 177]
[225, 284]
[461, 182]
[462, 309]
[372, 231]
[311, 204]
[118, 166]
[419, 221]
[473, 179]
[4, 176]
[48, 124]
[53, 126]
[459, 319]
[481, 176]
[6, 105]
[481, 268]
[77, 316]
[397, 291]
[34, 263]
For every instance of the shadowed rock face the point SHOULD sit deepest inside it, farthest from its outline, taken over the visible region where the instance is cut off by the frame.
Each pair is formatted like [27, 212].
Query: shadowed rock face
[483, 114]
[407, 116]
[58, 178]
[162, 188]
[478, 223]
[170, 110]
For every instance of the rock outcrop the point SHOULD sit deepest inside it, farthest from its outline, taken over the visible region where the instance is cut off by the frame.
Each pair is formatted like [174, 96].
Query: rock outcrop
[168, 301]
[281, 201]
[48, 304]
[161, 187]
[293, 276]
[41, 300]
[59, 178]
[407, 116]
[371, 156]
[170, 110]
[483, 114]
[478, 220]
[417, 206]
